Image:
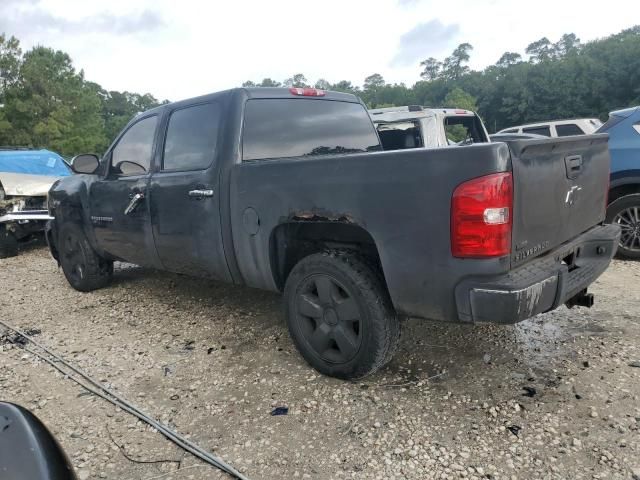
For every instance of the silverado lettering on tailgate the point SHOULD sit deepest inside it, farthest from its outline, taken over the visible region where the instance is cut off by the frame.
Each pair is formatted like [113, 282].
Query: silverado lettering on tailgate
[521, 254]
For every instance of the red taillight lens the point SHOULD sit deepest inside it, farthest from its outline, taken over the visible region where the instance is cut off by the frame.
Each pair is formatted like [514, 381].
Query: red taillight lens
[481, 211]
[307, 92]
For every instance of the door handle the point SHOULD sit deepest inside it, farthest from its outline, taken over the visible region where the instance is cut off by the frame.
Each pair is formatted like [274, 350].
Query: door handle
[200, 193]
[573, 165]
[133, 204]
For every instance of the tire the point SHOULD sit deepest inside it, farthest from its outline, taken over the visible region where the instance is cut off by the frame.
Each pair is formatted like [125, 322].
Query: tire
[340, 316]
[625, 211]
[8, 243]
[84, 269]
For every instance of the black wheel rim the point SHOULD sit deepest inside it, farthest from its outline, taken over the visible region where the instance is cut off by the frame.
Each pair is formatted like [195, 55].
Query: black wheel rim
[74, 259]
[329, 318]
[629, 221]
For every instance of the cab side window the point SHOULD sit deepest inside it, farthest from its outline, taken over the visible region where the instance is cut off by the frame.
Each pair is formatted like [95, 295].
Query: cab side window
[568, 130]
[191, 138]
[546, 130]
[132, 154]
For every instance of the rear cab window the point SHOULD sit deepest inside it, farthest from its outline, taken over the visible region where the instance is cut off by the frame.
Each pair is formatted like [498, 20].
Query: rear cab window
[286, 128]
[542, 130]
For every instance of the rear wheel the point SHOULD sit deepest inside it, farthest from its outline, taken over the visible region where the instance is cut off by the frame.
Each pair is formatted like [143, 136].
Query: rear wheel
[625, 212]
[339, 315]
[8, 243]
[84, 269]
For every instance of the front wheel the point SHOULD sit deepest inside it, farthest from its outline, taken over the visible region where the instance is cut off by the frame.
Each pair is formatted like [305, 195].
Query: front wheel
[84, 269]
[339, 315]
[8, 242]
[625, 212]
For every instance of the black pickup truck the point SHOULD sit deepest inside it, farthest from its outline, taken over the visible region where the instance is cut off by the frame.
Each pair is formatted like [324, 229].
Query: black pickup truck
[288, 190]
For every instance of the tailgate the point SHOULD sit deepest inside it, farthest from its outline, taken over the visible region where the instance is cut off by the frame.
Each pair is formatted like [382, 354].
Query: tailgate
[560, 190]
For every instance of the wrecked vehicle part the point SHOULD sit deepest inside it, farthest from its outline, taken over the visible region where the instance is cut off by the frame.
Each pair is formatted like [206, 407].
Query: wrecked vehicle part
[8, 242]
[25, 179]
[23, 340]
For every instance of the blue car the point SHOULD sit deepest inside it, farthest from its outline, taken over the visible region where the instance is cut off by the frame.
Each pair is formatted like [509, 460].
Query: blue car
[623, 128]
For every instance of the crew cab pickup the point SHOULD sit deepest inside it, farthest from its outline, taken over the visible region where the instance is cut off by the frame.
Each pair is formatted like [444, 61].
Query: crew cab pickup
[289, 190]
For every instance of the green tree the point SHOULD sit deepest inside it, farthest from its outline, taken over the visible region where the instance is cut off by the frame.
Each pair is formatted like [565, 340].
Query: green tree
[431, 68]
[374, 81]
[540, 50]
[10, 59]
[120, 107]
[298, 81]
[454, 66]
[458, 98]
[322, 84]
[509, 58]
[52, 106]
[568, 44]
[345, 86]
[267, 82]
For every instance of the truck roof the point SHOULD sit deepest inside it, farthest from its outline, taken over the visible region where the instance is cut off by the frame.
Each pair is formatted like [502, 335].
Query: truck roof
[412, 112]
[551, 122]
[269, 92]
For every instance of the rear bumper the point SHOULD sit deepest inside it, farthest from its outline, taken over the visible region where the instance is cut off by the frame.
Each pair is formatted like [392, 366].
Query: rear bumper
[542, 284]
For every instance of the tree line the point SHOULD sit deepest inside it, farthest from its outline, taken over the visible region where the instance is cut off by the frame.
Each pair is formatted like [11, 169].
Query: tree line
[46, 102]
[565, 79]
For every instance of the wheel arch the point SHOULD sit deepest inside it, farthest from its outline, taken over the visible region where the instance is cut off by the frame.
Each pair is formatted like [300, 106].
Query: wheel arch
[622, 186]
[290, 242]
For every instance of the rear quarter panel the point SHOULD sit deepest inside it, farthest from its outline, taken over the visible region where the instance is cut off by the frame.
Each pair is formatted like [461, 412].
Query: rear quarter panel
[401, 198]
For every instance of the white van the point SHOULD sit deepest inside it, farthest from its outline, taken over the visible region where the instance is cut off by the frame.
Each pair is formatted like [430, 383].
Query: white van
[558, 128]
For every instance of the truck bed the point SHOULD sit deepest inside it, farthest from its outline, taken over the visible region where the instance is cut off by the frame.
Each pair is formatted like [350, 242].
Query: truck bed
[401, 199]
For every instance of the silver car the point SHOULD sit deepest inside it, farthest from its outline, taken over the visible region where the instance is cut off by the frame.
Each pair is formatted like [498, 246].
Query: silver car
[25, 179]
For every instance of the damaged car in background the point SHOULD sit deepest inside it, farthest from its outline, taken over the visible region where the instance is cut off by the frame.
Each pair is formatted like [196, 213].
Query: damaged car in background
[25, 178]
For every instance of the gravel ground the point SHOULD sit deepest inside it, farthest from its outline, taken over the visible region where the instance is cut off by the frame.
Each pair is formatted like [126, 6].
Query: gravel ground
[552, 397]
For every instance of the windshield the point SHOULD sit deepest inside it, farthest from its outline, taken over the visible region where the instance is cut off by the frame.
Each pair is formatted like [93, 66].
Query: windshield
[613, 121]
[33, 162]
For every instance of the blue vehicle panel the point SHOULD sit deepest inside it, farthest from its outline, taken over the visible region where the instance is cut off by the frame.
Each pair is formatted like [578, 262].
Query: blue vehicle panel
[33, 162]
[623, 128]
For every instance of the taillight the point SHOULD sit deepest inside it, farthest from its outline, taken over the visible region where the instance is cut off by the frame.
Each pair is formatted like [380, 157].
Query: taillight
[481, 217]
[307, 92]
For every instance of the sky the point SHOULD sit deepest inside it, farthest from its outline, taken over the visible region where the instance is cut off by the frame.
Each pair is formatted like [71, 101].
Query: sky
[177, 49]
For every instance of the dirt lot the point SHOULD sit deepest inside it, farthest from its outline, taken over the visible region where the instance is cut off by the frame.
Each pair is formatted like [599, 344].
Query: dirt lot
[553, 397]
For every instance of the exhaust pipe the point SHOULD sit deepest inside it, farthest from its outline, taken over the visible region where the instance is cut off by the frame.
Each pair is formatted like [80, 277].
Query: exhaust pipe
[582, 299]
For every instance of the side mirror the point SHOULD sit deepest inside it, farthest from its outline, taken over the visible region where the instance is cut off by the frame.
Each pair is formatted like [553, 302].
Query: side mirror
[86, 163]
[28, 451]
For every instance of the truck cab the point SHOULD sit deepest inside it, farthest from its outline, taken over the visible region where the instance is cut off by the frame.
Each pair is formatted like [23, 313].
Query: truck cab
[414, 126]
